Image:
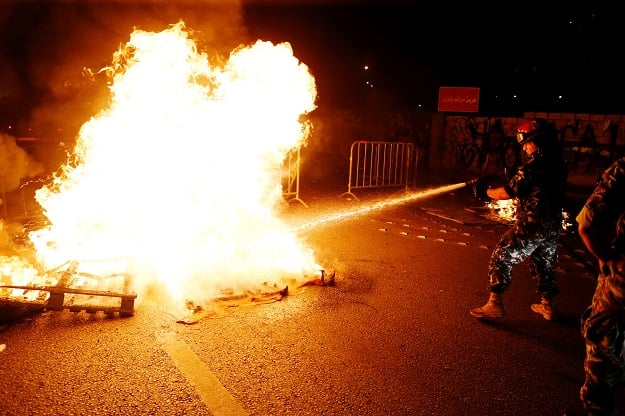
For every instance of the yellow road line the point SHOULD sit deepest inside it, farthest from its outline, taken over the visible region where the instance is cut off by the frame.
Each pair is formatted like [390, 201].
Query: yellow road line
[219, 401]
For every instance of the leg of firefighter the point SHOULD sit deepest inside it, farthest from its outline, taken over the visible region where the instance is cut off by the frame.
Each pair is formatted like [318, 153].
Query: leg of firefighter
[499, 277]
[603, 329]
[541, 265]
[493, 309]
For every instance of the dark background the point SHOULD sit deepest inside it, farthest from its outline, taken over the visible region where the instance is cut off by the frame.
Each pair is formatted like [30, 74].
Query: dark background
[524, 56]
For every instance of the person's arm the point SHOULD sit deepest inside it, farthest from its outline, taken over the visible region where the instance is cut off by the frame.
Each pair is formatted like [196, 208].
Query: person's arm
[597, 218]
[597, 242]
[498, 193]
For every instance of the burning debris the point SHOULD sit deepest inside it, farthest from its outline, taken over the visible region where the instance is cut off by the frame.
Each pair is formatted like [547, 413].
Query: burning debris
[269, 295]
[180, 177]
[503, 210]
[321, 281]
[66, 287]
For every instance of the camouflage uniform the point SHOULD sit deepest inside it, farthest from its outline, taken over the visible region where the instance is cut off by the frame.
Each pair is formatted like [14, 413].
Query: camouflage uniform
[539, 186]
[602, 324]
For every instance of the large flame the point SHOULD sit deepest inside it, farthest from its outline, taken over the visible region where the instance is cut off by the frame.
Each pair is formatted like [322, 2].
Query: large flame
[179, 180]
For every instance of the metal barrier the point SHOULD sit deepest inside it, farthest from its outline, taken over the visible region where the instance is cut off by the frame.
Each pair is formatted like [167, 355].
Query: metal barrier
[290, 177]
[380, 164]
[13, 205]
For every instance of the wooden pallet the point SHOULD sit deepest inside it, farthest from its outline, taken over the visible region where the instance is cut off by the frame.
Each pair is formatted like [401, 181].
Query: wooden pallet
[56, 300]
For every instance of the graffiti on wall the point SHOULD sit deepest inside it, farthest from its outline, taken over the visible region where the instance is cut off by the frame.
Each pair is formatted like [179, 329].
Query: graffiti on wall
[486, 142]
[477, 142]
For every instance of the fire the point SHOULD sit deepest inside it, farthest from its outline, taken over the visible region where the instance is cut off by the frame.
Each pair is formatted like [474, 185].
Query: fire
[178, 181]
[504, 209]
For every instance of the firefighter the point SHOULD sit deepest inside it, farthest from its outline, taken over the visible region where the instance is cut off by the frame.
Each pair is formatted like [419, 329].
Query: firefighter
[601, 226]
[538, 186]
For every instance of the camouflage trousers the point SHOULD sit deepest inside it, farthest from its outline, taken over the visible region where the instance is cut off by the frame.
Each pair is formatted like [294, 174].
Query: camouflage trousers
[603, 328]
[538, 242]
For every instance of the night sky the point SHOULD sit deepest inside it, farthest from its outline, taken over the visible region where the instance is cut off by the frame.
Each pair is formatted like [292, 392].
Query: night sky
[524, 56]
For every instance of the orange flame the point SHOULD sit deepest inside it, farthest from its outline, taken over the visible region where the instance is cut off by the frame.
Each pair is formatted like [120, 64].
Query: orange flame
[504, 209]
[179, 179]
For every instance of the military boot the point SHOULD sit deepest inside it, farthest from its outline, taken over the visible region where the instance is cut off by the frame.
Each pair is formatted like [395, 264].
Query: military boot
[493, 308]
[545, 308]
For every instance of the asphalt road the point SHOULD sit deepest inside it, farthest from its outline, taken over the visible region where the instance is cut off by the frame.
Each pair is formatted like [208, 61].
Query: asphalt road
[392, 336]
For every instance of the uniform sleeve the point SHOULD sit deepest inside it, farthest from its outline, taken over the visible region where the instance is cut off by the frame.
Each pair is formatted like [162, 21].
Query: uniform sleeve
[520, 182]
[607, 202]
[584, 217]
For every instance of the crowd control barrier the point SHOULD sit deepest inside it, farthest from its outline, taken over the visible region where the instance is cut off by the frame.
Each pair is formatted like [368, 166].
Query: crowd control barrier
[380, 164]
[290, 177]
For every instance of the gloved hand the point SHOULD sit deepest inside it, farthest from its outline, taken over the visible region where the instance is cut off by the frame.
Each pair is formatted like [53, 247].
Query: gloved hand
[479, 192]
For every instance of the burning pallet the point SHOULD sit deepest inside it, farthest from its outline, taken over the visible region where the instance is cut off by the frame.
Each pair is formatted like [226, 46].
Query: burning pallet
[73, 290]
[56, 300]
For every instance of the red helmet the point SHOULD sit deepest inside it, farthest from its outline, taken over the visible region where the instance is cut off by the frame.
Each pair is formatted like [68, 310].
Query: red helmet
[532, 129]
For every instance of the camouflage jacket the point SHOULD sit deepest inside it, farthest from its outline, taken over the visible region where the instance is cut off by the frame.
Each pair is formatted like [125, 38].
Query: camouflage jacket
[605, 207]
[539, 185]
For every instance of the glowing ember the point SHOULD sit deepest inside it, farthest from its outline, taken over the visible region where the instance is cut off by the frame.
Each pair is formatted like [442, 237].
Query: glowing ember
[180, 177]
[504, 209]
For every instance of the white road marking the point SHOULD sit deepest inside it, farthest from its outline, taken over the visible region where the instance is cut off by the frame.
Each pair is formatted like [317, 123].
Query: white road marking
[219, 401]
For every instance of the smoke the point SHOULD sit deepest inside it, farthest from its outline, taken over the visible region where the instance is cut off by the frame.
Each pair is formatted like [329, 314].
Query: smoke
[53, 50]
[15, 164]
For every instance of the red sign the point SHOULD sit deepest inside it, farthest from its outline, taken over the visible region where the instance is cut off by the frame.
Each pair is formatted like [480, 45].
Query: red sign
[458, 99]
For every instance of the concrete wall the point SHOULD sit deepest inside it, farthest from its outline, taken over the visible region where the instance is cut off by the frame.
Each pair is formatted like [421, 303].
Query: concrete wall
[326, 155]
[608, 129]
[604, 132]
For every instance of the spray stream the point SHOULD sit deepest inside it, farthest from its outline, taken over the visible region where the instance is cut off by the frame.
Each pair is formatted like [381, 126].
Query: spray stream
[384, 204]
